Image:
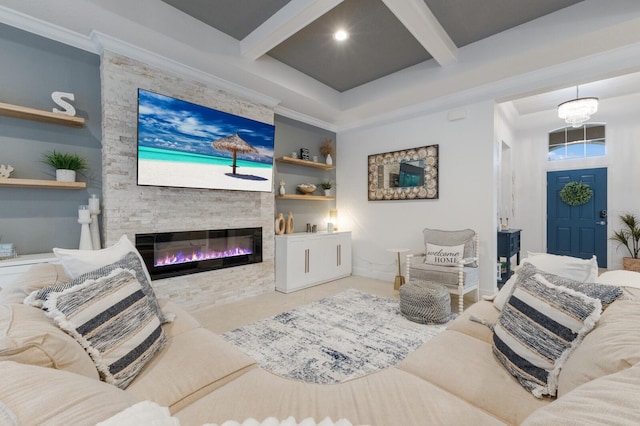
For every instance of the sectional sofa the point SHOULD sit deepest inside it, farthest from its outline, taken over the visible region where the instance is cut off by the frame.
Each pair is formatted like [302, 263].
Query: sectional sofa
[454, 379]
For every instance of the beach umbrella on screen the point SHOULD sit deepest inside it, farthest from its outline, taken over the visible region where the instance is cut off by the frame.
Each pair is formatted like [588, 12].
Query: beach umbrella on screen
[233, 144]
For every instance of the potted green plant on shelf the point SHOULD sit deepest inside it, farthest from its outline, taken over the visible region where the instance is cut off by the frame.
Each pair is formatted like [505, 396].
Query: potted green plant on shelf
[629, 237]
[326, 185]
[66, 165]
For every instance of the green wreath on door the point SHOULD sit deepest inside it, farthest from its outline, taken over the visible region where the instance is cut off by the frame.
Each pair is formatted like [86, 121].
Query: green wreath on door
[576, 193]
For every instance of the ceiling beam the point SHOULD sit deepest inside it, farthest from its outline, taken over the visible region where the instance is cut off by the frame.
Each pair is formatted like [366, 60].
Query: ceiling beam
[416, 16]
[296, 15]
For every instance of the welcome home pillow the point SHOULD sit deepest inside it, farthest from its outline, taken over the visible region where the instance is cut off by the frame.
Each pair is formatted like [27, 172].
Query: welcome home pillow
[444, 255]
[113, 321]
[539, 327]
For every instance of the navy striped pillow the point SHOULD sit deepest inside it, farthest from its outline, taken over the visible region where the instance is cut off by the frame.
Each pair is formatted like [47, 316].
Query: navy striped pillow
[111, 318]
[539, 327]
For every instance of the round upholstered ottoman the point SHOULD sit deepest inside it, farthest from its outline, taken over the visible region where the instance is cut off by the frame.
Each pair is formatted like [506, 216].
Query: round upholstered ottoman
[425, 302]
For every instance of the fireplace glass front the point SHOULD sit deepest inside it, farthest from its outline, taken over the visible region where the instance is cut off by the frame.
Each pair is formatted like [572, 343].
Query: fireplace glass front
[169, 254]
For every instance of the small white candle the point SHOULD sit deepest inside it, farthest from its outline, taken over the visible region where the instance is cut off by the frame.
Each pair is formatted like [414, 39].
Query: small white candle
[94, 203]
[83, 212]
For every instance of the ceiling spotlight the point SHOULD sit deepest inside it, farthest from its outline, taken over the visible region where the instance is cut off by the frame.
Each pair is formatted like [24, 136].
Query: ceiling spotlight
[340, 35]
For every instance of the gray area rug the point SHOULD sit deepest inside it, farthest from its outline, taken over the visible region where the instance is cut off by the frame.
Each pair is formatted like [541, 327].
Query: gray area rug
[334, 339]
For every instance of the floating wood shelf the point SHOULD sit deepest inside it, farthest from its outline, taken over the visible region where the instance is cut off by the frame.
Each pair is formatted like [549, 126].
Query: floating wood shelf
[305, 197]
[306, 163]
[36, 183]
[40, 115]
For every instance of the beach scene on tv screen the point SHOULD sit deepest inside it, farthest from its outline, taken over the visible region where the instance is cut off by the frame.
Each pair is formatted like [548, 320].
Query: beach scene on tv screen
[182, 144]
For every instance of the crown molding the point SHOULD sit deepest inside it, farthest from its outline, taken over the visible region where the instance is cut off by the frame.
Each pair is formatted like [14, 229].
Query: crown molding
[45, 29]
[106, 42]
[294, 115]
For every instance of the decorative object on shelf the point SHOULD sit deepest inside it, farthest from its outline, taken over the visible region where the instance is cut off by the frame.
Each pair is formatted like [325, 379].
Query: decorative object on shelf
[330, 227]
[315, 158]
[84, 219]
[5, 171]
[66, 165]
[7, 250]
[280, 224]
[282, 190]
[333, 217]
[576, 193]
[94, 210]
[409, 174]
[289, 226]
[629, 237]
[306, 188]
[294, 154]
[68, 108]
[326, 185]
[329, 160]
[327, 150]
[578, 110]
[304, 154]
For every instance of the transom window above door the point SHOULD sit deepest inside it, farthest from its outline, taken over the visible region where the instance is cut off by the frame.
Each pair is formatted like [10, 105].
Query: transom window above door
[567, 143]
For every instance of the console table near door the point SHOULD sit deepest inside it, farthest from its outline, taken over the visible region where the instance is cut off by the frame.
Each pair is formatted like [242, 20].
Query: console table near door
[508, 246]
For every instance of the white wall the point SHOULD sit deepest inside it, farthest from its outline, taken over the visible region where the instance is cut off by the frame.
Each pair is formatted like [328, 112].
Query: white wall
[467, 189]
[623, 152]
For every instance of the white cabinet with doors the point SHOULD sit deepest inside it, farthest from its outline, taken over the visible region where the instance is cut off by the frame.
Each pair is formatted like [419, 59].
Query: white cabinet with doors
[306, 259]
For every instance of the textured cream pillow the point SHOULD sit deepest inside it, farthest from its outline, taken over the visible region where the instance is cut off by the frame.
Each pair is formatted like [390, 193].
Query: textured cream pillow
[583, 270]
[78, 262]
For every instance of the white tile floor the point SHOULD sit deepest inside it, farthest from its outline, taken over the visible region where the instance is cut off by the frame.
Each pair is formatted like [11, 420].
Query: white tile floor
[222, 318]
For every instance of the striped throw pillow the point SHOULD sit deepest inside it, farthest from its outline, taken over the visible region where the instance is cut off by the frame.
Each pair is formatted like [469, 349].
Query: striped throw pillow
[112, 319]
[538, 328]
[129, 261]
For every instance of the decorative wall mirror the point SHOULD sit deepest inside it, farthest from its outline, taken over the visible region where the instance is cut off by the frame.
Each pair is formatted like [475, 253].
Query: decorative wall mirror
[410, 174]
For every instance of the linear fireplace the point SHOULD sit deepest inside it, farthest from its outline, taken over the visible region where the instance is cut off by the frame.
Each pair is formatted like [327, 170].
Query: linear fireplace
[169, 254]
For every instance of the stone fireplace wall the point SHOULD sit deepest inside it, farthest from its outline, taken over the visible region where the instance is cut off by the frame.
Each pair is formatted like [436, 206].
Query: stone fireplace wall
[130, 209]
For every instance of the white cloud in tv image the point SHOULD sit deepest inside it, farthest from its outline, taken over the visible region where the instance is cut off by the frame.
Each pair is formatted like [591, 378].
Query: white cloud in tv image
[181, 144]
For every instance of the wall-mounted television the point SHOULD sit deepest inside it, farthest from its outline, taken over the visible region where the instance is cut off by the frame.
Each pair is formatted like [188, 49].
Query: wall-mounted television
[181, 144]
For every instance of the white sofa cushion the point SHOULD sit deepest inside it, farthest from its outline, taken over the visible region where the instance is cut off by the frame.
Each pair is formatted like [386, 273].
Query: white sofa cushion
[44, 396]
[28, 336]
[613, 345]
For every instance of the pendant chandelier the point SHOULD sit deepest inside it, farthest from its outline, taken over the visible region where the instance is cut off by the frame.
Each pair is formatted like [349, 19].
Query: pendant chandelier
[578, 110]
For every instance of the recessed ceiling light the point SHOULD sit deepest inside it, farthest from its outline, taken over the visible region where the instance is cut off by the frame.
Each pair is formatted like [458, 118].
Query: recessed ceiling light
[341, 35]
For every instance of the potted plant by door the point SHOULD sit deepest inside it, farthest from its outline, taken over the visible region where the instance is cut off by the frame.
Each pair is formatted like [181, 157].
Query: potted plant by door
[326, 185]
[629, 236]
[66, 165]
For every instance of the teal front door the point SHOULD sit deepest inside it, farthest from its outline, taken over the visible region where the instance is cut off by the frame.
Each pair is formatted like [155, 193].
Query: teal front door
[578, 231]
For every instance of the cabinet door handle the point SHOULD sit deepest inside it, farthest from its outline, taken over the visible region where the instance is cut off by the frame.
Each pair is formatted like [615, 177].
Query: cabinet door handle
[338, 255]
[306, 261]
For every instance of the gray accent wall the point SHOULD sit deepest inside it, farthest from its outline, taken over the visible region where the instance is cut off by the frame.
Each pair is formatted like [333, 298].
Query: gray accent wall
[292, 135]
[36, 220]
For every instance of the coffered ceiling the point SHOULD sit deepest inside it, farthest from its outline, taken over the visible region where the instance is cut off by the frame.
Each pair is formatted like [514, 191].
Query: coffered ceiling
[403, 57]
[386, 36]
